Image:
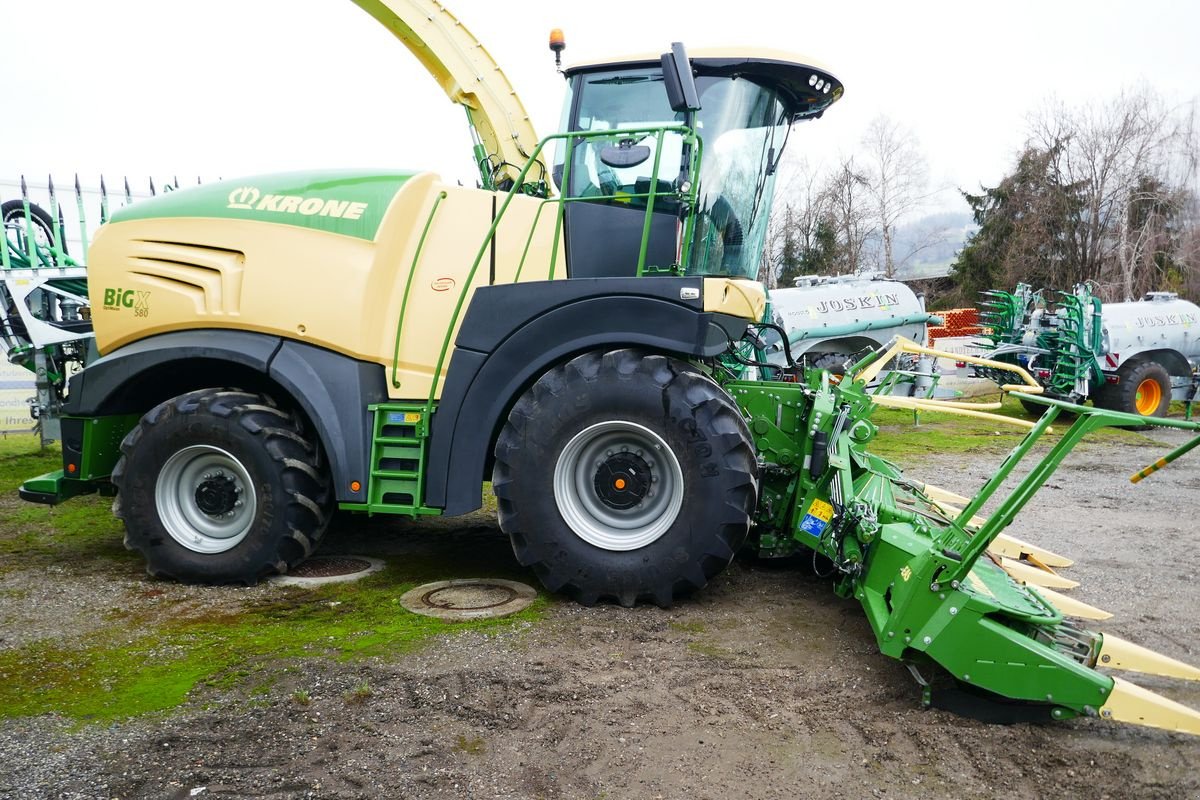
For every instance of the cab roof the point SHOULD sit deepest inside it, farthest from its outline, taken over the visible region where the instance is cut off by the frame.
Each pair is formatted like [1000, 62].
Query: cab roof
[806, 86]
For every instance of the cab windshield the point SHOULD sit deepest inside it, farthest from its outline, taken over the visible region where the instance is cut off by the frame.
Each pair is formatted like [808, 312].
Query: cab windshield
[742, 126]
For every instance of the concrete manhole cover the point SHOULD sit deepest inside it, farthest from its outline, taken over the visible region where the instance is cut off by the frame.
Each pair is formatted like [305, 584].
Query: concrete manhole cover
[320, 570]
[472, 598]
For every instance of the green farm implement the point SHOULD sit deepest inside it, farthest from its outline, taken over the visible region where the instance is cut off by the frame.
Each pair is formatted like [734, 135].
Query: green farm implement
[1135, 356]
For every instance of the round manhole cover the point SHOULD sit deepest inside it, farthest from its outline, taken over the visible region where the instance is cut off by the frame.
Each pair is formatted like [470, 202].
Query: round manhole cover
[473, 598]
[320, 570]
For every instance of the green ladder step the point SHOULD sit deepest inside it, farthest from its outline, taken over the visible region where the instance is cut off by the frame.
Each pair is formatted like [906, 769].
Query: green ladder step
[400, 438]
[405, 475]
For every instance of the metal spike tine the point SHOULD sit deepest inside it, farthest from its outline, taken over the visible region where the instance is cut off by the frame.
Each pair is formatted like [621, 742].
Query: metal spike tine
[152, 187]
[79, 211]
[24, 190]
[5, 259]
[197, 180]
[176, 181]
[50, 186]
[103, 201]
[128, 192]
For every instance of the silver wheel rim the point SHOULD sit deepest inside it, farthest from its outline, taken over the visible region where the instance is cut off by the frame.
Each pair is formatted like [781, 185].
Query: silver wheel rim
[587, 513]
[193, 497]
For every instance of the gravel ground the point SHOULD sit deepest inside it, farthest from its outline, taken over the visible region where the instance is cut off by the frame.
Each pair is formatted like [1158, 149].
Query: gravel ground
[763, 686]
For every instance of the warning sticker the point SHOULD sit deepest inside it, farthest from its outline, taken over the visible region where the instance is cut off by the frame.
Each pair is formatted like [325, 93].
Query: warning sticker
[817, 518]
[821, 510]
[812, 526]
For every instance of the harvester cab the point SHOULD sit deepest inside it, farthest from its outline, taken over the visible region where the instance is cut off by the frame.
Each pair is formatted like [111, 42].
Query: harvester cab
[677, 154]
[593, 352]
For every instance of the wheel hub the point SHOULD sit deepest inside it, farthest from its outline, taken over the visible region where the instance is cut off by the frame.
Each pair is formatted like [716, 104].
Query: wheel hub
[206, 499]
[1147, 397]
[618, 485]
[216, 495]
[623, 480]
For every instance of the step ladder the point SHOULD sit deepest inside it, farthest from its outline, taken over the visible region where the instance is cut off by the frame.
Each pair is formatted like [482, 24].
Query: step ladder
[398, 449]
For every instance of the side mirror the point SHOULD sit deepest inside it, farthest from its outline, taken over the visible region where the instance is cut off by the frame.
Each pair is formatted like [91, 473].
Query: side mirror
[624, 155]
[677, 76]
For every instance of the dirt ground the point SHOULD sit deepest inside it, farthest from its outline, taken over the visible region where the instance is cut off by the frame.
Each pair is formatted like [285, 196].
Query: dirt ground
[763, 686]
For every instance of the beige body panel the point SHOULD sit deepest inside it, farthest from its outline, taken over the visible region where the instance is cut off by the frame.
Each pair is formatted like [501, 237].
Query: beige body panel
[325, 289]
[736, 297]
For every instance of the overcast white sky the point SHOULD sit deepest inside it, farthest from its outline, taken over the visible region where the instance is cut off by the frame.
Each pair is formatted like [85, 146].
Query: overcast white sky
[237, 87]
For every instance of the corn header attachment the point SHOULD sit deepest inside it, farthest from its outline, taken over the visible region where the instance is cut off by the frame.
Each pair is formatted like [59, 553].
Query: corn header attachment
[941, 584]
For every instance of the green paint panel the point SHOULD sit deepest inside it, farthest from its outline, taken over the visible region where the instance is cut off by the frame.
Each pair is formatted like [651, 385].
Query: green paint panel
[58, 486]
[347, 202]
[102, 445]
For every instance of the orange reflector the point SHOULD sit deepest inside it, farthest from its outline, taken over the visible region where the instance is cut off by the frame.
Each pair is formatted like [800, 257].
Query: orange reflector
[71, 468]
[355, 486]
[619, 483]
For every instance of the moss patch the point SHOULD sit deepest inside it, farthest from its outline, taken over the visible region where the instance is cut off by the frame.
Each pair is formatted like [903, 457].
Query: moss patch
[82, 529]
[142, 659]
[127, 669]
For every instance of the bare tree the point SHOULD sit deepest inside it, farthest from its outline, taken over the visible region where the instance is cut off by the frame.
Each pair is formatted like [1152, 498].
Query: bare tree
[846, 190]
[1131, 161]
[896, 180]
[794, 235]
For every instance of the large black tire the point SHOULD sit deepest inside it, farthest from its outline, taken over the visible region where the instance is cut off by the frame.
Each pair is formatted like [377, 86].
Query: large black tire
[625, 476]
[220, 486]
[13, 212]
[1144, 388]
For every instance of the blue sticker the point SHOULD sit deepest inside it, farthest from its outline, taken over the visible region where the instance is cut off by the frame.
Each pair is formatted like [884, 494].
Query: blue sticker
[395, 418]
[813, 526]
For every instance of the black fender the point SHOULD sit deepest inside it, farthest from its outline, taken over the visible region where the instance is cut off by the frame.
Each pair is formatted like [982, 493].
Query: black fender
[331, 390]
[513, 333]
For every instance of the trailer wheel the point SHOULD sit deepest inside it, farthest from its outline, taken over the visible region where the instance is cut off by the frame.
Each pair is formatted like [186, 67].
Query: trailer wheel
[12, 213]
[1144, 388]
[220, 486]
[625, 476]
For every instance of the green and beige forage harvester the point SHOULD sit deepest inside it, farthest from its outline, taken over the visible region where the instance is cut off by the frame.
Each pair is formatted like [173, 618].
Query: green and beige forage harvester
[585, 332]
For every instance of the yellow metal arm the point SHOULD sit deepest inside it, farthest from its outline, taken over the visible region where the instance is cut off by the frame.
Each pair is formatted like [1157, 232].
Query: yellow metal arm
[469, 76]
[900, 345]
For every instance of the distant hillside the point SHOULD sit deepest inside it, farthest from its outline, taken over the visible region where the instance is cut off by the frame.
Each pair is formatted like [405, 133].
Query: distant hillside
[934, 241]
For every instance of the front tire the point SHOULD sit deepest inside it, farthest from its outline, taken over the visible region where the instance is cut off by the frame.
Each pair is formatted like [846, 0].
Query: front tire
[220, 486]
[625, 476]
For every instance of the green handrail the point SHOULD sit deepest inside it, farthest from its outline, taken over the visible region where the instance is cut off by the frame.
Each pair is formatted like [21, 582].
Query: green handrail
[688, 196]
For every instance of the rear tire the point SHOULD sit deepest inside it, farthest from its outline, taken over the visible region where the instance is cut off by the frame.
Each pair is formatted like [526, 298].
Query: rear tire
[1144, 389]
[220, 486]
[625, 476]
